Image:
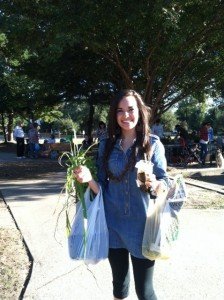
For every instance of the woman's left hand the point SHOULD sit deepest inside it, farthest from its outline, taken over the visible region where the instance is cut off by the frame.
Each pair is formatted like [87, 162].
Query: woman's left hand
[156, 186]
[150, 180]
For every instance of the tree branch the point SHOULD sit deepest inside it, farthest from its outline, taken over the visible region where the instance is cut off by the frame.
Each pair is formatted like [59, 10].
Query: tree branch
[113, 57]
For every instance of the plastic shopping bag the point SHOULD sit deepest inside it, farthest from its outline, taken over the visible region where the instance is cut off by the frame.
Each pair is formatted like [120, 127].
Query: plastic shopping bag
[36, 147]
[162, 223]
[89, 238]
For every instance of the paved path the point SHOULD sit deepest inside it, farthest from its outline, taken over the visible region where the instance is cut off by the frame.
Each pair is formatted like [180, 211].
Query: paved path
[196, 270]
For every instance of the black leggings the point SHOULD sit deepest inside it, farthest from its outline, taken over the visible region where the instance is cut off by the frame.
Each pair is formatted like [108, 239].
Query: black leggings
[143, 274]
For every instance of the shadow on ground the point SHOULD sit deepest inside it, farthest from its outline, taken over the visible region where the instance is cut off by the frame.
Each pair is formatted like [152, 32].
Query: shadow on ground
[28, 169]
[213, 179]
[28, 191]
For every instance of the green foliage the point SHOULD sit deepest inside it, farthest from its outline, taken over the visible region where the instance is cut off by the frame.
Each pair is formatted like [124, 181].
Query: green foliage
[101, 114]
[3, 40]
[169, 120]
[167, 50]
[65, 125]
[216, 117]
[78, 112]
[193, 112]
[50, 114]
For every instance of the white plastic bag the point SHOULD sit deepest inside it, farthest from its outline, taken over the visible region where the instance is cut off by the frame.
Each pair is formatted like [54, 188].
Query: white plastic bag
[162, 223]
[89, 238]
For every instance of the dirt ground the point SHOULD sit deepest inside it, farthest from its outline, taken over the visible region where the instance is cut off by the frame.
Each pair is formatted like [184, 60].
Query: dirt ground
[13, 268]
[26, 168]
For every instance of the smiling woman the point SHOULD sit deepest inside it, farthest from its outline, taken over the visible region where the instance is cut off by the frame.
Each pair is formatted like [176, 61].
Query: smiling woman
[127, 118]
[128, 142]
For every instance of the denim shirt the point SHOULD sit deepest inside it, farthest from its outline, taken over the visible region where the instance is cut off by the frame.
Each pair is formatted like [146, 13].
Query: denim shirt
[125, 204]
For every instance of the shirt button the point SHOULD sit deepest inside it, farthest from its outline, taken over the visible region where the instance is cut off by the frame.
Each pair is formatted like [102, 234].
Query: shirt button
[126, 192]
[126, 181]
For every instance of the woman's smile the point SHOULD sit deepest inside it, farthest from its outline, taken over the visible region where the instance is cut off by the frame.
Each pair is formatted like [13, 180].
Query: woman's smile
[127, 113]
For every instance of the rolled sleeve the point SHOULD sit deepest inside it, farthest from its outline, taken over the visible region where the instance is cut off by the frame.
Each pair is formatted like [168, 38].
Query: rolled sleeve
[159, 162]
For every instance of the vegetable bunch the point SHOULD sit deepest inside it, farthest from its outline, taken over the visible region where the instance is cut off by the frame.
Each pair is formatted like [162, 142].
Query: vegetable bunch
[75, 190]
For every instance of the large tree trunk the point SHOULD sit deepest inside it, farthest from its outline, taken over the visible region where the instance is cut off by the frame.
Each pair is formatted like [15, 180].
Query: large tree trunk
[90, 118]
[30, 111]
[9, 127]
[3, 128]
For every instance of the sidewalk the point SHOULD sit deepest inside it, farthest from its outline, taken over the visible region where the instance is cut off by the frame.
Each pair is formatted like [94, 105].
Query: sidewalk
[195, 271]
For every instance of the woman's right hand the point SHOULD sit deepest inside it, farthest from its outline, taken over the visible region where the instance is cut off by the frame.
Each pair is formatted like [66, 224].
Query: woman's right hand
[82, 174]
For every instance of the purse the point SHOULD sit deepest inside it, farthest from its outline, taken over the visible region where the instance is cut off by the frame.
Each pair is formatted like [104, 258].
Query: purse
[89, 238]
[162, 222]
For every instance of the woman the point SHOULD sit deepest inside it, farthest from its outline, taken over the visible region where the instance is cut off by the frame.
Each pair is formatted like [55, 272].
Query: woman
[101, 132]
[33, 136]
[125, 203]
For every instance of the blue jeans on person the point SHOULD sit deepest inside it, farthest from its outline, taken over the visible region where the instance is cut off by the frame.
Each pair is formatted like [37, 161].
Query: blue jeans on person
[204, 151]
[33, 152]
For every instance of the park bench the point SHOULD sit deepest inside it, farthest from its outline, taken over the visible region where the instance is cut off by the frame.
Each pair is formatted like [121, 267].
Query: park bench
[54, 150]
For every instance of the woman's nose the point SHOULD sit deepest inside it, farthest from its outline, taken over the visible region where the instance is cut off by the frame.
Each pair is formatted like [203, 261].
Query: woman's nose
[126, 113]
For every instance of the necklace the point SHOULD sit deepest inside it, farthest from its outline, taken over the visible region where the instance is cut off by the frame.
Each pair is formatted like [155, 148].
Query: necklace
[126, 144]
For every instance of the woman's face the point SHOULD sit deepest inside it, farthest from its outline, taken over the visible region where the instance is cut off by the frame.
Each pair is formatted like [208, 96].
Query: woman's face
[127, 113]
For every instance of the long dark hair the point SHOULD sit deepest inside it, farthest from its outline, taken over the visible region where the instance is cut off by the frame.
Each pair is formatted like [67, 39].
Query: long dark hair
[142, 144]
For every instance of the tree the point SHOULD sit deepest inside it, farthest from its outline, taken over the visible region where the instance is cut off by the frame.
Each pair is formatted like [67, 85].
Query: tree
[215, 116]
[167, 50]
[169, 120]
[192, 112]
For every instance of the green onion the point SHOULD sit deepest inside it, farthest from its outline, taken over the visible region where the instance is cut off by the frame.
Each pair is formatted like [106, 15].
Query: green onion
[75, 190]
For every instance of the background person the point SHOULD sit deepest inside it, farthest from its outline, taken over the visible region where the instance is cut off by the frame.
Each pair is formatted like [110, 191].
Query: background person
[183, 135]
[51, 139]
[18, 135]
[101, 132]
[211, 147]
[33, 136]
[157, 129]
[210, 133]
[203, 135]
[87, 142]
[125, 204]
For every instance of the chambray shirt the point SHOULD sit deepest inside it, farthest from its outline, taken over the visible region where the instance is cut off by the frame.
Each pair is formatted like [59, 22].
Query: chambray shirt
[125, 204]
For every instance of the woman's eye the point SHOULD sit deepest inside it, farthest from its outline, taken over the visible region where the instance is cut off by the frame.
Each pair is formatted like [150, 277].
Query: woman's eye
[120, 111]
